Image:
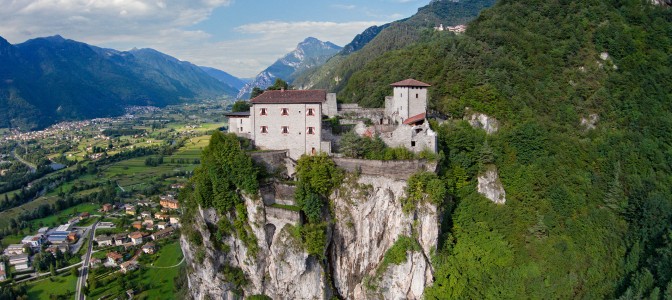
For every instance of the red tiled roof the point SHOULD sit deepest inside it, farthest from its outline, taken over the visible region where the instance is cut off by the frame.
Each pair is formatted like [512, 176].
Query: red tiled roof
[291, 97]
[410, 82]
[415, 119]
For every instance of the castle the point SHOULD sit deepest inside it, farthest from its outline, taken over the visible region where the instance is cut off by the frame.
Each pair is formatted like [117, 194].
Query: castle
[292, 120]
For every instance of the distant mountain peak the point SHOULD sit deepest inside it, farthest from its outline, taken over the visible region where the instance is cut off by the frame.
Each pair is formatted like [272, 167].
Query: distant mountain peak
[311, 52]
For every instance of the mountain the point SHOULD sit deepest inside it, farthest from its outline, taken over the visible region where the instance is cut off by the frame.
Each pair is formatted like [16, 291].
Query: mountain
[308, 54]
[582, 93]
[362, 39]
[226, 78]
[46, 80]
[334, 74]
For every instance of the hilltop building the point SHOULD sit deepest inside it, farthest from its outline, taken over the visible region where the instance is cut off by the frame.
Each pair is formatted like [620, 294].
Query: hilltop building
[292, 120]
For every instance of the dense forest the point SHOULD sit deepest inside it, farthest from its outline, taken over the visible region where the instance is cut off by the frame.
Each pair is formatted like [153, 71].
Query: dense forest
[588, 211]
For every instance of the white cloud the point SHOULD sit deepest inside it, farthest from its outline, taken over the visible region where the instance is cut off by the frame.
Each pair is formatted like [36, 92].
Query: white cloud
[267, 42]
[344, 6]
[100, 21]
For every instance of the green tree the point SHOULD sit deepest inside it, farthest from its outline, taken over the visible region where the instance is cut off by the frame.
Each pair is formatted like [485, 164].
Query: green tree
[241, 106]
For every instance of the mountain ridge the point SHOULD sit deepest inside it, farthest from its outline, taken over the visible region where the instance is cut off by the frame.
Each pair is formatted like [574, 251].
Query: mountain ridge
[309, 53]
[49, 79]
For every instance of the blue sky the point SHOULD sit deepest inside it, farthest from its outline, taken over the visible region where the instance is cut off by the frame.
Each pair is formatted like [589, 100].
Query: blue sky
[240, 37]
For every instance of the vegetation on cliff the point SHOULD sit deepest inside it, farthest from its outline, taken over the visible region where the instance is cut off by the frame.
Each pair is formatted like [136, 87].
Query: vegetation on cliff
[588, 212]
[225, 174]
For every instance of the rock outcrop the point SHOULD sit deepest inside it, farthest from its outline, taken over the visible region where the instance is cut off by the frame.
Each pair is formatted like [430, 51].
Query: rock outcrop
[367, 220]
[482, 121]
[490, 186]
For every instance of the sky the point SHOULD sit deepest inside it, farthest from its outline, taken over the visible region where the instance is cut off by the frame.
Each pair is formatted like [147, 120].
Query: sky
[236, 36]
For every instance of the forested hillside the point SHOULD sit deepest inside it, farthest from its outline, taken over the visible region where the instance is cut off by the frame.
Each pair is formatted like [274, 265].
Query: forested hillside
[47, 80]
[335, 73]
[589, 211]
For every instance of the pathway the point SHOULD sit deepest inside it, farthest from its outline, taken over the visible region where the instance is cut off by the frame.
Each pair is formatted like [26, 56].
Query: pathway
[32, 167]
[173, 266]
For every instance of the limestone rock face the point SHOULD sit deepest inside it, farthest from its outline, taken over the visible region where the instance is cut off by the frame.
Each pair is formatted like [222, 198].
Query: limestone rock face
[369, 220]
[482, 121]
[490, 186]
[407, 280]
[281, 270]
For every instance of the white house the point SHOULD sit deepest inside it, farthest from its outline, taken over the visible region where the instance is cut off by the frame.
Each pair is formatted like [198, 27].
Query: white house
[136, 238]
[289, 120]
[239, 123]
[104, 240]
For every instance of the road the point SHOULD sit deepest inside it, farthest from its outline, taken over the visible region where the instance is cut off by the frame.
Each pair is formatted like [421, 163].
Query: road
[84, 272]
[32, 167]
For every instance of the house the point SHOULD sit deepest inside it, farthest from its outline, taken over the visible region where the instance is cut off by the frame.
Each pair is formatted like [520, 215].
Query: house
[128, 266]
[290, 120]
[84, 215]
[137, 225]
[107, 207]
[120, 239]
[169, 203]
[239, 123]
[95, 262]
[114, 258]
[130, 210]
[145, 214]
[104, 240]
[148, 222]
[149, 248]
[174, 221]
[161, 225]
[72, 236]
[161, 216]
[14, 249]
[136, 238]
[163, 233]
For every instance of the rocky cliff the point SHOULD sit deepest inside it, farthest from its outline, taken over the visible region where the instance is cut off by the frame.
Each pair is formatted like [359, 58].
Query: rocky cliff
[367, 221]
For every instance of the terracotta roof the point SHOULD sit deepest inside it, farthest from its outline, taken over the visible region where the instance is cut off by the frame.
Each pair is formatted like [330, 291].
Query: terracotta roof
[415, 119]
[410, 82]
[238, 114]
[135, 235]
[114, 255]
[291, 97]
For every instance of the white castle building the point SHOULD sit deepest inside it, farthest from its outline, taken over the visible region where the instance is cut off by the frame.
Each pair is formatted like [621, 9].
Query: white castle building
[292, 120]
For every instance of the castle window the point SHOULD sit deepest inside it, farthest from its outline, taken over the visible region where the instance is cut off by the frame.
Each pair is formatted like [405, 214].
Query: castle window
[264, 129]
[285, 129]
[412, 143]
[284, 111]
[416, 96]
[263, 112]
[311, 112]
[310, 130]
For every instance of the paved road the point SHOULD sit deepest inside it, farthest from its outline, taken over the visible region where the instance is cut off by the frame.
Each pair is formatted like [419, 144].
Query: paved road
[32, 167]
[84, 272]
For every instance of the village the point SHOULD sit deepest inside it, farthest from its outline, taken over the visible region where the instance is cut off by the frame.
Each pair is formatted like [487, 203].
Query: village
[122, 233]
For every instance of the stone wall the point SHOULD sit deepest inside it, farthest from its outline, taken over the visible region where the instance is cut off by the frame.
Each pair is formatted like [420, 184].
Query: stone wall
[399, 169]
[272, 160]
